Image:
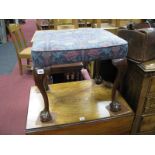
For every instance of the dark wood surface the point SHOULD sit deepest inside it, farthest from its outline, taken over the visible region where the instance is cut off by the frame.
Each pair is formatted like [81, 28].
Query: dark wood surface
[140, 43]
[96, 127]
[147, 123]
[81, 107]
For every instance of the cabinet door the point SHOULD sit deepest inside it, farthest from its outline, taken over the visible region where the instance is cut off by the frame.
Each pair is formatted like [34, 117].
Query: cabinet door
[150, 98]
[147, 123]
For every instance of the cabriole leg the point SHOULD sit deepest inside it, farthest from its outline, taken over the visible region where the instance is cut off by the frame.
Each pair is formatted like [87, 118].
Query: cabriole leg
[121, 65]
[40, 81]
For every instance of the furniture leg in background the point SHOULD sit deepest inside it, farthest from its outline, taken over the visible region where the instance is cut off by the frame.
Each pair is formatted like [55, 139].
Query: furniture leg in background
[98, 78]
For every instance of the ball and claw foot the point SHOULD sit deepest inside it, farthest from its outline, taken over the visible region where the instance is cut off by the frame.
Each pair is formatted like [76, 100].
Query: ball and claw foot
[98, 79]
[45, 116]
[115, 106]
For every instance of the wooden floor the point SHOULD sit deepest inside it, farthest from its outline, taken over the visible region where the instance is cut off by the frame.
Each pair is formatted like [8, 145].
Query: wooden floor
[77, 103]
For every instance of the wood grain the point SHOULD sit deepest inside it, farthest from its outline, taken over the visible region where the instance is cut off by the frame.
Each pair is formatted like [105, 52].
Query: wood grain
[71, 101]
[148, 123]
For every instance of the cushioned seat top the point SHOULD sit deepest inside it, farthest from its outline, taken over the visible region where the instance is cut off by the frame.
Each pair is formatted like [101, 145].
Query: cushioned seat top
[68, 46]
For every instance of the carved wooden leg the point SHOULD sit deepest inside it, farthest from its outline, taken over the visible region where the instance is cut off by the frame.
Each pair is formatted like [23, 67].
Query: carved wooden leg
[121, 65]
[98, 78]
[45, 82]
[40, 81]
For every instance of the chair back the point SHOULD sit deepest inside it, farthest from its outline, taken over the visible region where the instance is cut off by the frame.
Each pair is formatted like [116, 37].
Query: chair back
[17, 37]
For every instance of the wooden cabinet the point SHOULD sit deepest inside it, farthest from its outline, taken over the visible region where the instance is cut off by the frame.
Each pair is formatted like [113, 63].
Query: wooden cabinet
[139, 91]
[147, 123]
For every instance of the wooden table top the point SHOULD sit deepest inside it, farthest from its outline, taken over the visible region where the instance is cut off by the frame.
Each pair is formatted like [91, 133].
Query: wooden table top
[74, 102]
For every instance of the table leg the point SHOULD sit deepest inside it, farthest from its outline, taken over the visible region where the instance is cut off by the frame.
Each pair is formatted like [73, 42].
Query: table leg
[98, 78]
[41, 82]
[121, 65]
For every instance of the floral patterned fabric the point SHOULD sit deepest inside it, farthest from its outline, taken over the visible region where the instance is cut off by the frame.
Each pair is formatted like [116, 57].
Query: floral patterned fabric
[68, 46]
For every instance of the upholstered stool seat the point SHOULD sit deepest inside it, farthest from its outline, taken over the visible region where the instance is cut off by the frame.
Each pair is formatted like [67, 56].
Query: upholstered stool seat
[81, 45]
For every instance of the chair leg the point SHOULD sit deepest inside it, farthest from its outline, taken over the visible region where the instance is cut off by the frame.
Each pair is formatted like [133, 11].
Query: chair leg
[20, 66]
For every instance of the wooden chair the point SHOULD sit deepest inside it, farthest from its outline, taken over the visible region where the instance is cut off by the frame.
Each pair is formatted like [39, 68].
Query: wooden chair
[42, 24]
[60, 24]
[22, 51]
